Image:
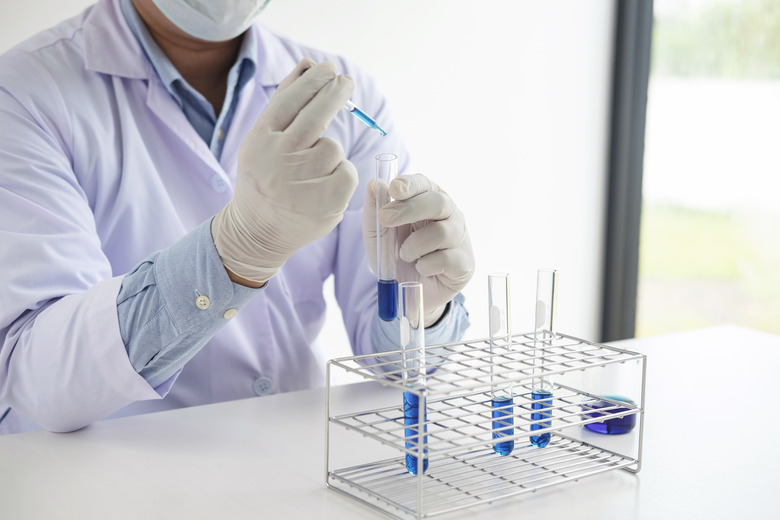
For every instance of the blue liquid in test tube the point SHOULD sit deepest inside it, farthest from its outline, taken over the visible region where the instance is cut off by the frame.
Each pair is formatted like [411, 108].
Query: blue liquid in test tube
[501, 391]
[503, 424]
[412, 341]
[412, 423]
[542, 385]
[542, 400]
[387, 284]
[387, 299]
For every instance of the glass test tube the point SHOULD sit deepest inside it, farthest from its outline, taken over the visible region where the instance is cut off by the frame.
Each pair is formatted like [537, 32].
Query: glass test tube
[542, 385]
[387, 284]
[502, 397]
[412, 328]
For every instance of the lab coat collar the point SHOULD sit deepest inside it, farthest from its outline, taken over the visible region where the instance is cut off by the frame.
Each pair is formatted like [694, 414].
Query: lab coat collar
[110, 46]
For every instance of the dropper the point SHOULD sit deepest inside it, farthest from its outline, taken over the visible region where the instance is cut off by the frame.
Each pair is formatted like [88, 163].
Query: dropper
[364, 117]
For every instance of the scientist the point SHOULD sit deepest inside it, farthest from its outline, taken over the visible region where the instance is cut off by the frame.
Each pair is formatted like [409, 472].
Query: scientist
[176, 184]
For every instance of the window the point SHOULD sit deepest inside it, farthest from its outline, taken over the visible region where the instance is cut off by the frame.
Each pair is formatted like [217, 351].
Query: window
[710, 229]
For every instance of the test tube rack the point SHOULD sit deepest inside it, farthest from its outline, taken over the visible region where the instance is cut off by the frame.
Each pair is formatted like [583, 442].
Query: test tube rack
[463, 469]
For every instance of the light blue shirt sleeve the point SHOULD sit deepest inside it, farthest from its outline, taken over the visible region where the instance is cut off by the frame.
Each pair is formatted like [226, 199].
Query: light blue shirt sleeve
[156, 331]
[160, 327]
[173, 302]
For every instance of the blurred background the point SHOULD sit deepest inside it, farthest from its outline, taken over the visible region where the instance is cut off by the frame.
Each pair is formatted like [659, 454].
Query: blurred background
[710, 235]
[509, 107]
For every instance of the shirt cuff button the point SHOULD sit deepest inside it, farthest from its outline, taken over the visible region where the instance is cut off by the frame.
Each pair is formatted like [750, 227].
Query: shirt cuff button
[202, 302]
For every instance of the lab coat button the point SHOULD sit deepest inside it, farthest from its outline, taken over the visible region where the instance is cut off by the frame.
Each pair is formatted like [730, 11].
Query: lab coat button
[263, 386]
[218, 184]
[202, 302]
[230, 313]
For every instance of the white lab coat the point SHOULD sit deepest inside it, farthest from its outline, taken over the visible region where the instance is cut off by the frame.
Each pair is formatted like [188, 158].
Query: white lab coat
[99, 168]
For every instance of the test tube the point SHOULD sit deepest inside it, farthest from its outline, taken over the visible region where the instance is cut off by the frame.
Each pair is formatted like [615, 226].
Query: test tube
[412, 327]
[387, 284]
[502, 397]
[542, 385]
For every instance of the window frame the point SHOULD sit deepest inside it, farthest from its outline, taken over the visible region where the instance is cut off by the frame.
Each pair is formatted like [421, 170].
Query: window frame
[631, 72]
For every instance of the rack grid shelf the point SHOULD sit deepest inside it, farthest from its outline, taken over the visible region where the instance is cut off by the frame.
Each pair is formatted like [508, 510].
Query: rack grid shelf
[463, 469]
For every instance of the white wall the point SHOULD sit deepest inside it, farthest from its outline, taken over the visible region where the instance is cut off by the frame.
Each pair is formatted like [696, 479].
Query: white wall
[505, 105]
[22, 18]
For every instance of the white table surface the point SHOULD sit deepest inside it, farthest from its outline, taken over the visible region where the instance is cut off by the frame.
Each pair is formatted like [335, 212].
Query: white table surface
[711, 450]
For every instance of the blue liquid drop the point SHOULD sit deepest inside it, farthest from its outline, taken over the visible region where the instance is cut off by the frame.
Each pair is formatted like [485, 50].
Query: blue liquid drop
[542, 401]
[387, 299]
[615, 426]
[412, 421]
[503, 424]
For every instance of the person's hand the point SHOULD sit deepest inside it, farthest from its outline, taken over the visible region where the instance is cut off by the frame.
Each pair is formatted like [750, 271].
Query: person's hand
[434, 244]
[292, 185]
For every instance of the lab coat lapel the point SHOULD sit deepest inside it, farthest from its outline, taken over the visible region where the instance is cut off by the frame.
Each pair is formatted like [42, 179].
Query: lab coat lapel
[162, 105]
[111, 48]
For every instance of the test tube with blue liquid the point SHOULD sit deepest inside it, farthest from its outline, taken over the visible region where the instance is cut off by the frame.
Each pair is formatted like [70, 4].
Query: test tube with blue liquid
[502, 397]
[412, 339]
[542, 384]
[387, 284]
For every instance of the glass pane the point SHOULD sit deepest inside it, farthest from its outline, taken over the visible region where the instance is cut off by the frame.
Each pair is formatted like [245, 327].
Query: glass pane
[710, 234]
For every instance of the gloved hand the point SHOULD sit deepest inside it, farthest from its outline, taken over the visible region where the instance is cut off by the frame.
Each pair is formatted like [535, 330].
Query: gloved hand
[292, 185]
[434, 244]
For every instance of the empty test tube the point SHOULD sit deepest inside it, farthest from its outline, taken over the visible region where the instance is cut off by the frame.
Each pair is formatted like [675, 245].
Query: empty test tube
[412, 336]
[542, 385]
[502, 397]
[387, 284]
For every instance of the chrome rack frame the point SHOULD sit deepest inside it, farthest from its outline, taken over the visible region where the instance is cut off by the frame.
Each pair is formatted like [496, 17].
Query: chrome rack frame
[464, 471]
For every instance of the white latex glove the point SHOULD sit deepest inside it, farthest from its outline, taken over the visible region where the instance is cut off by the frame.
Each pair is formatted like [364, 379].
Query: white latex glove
[292, 185]
[434, 244]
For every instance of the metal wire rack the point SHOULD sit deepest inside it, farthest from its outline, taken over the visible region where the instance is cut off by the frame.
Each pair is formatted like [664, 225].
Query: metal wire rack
[463, 469]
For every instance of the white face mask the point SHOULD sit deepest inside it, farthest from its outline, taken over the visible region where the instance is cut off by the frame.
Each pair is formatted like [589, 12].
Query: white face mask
[212, 20]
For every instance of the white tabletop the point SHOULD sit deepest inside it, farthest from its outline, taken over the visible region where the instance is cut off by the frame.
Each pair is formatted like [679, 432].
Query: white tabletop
[711, 450]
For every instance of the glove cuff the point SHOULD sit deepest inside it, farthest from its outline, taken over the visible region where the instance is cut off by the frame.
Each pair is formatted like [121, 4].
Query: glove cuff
[238, 249]
[433, 316]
